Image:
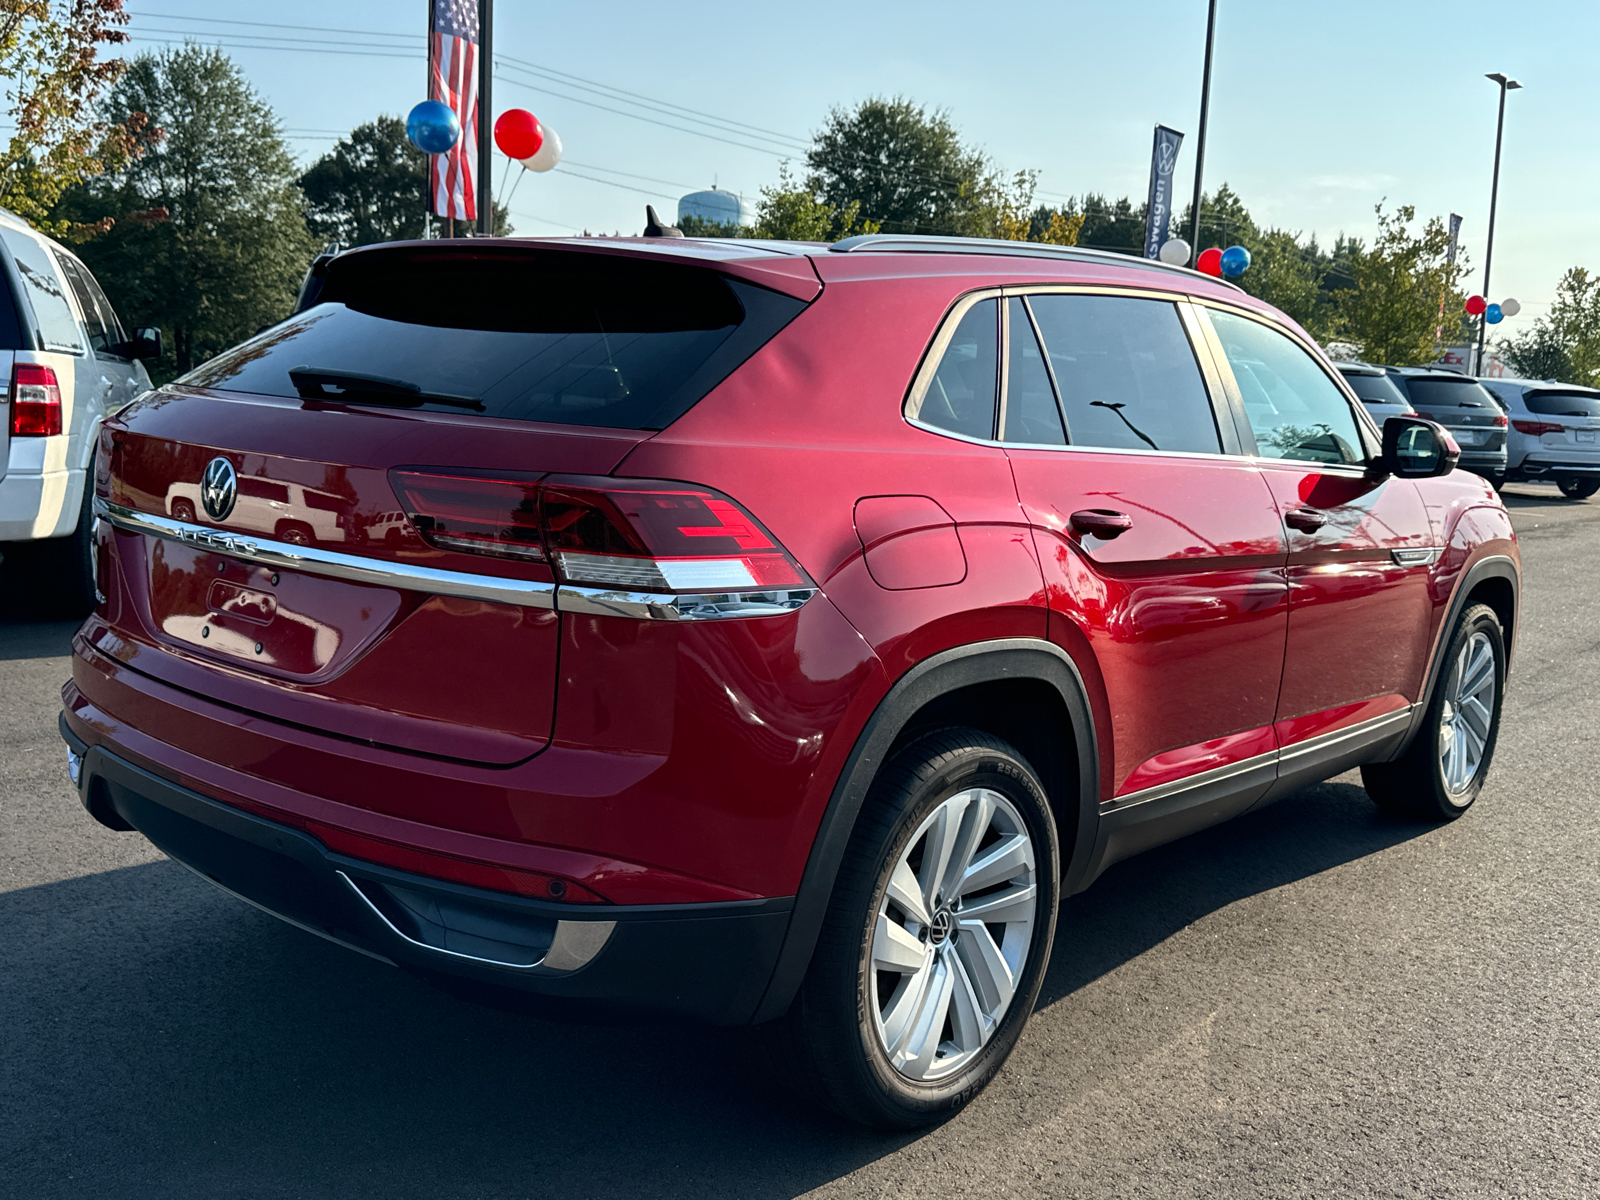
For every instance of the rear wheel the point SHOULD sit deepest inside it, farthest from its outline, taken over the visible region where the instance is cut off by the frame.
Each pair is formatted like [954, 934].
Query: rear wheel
[1578, 489]
[1442, 772]
[936, 942]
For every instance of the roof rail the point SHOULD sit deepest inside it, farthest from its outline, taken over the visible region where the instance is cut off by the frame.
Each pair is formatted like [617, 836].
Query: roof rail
[932, 244]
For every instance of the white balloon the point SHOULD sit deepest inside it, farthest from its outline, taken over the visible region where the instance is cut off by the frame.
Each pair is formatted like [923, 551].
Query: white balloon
[548, 155]
[1175, 252]
[1510, 307]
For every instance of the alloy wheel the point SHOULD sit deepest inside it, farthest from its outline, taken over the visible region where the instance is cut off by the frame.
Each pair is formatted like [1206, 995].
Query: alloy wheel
[1468, 716]
[952, 935]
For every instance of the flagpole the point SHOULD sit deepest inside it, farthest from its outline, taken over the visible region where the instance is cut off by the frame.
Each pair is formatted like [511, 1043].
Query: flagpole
[485, 116]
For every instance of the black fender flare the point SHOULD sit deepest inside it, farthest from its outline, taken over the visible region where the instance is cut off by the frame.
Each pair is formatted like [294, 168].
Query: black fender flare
[948, 671]
[1492, 566]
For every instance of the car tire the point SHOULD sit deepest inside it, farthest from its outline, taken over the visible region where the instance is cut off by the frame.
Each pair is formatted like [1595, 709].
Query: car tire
[860, 1037]
[182, 510]
[1578, 489]
[295, 533]
[1442, 772]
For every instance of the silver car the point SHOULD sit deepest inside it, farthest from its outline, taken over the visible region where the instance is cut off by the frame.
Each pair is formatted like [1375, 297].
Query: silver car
[1554, 435]
[1376, 391]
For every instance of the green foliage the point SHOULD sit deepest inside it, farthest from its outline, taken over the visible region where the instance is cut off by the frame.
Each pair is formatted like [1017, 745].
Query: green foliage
[794, 212]
[909, 171]
[1563, 344]
[1404, 287]
[1538, 353]
[699, 227]
[210, 240]
[52, 75]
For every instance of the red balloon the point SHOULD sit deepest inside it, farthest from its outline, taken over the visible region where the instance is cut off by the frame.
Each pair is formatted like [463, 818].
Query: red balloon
[1210, 262]
[1476, 305]
[517, 133]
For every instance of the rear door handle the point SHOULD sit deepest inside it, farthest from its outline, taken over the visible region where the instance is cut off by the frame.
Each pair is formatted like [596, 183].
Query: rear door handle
[1306, 520]
[1101, 522]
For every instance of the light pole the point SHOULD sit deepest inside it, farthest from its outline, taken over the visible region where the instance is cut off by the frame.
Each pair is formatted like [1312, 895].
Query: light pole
[1506, 85]
[1200, 149]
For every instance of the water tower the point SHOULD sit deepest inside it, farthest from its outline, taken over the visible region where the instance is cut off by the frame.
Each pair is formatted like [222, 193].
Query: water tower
[714, 204]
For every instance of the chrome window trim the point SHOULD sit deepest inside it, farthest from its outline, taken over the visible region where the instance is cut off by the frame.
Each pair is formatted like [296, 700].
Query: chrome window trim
[1285, 756]
[935, 352]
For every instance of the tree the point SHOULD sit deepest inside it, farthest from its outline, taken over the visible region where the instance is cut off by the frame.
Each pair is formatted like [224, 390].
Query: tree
[1401, 286]
[1539, 353]
[1564, 343]
[372, 187]
[793, 212]
[908, 170]
[53, 75]
[215, 243]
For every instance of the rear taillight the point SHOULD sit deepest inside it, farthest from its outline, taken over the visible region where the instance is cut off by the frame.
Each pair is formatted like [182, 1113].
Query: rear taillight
[1537, 428]
[1501, 421]
[632, 535]
[35, 401]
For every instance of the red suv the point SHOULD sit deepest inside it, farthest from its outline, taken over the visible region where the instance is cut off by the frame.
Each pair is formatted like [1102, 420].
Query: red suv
[766, 632]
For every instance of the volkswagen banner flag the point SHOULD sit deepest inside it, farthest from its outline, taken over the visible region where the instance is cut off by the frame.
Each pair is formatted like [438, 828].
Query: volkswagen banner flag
[1158, 211]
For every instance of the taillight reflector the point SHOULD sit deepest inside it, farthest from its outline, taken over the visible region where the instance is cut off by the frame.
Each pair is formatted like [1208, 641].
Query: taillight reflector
[1537, 428]
[457, 870]
[480, 516]
[35, 401]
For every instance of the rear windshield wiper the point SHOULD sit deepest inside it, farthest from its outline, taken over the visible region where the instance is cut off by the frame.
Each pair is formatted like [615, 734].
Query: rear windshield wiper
[355, 387]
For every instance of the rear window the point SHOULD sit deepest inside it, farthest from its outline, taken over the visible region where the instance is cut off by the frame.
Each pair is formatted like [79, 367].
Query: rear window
[557, 336]
[1379, 389]
[1450, 393]
[1563, 404]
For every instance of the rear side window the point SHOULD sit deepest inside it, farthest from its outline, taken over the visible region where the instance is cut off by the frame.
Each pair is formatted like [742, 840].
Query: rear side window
[1126, 372]
[1563, 404]
[1450, 393]
[104, 330]
[556, 336]
[961, 395]
[264, 489]
[58, 324]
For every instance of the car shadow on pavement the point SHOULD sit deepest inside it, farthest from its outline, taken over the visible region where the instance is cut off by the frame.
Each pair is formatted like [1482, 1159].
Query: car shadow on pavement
[163, 1039]
[35, 639]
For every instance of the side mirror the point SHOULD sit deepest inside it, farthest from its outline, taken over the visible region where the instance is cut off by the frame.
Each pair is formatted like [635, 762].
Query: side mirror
[1414, 448]
[145, 343]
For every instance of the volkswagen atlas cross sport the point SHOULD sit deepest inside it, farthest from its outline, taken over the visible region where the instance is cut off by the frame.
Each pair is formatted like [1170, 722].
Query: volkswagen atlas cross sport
[774, 633]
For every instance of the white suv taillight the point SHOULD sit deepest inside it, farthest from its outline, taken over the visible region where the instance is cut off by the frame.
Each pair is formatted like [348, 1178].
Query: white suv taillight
[35, 401]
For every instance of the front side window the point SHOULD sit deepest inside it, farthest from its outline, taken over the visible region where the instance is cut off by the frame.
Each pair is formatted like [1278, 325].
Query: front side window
[58, 324]
[1296, 411]
[1126, 373]
[961, 396]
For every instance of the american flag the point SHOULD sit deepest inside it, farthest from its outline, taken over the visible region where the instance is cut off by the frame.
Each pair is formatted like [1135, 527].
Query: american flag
[453, 78]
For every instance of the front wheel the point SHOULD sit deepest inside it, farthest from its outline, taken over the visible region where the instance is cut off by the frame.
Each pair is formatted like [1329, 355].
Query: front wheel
[1443, 770]
[937, 938]
[1578, 489]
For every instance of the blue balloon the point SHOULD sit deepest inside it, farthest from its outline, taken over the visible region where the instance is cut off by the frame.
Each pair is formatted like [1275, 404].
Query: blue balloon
[1494, 314]
[1235, 261]
[432, 127]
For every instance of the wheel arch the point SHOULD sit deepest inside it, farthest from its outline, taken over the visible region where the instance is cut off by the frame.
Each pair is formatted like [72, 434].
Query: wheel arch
[1025, 690]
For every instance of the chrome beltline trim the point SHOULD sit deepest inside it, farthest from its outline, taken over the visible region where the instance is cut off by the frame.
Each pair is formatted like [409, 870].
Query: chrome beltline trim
[1400, 718]
[383, 572]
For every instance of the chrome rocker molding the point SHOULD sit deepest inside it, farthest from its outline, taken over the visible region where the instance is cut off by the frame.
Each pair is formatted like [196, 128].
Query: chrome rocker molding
[603, 602]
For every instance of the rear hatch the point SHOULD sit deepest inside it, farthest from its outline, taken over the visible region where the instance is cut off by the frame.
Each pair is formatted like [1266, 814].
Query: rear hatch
[328, 524]
[1567, 421]
[1463, 406]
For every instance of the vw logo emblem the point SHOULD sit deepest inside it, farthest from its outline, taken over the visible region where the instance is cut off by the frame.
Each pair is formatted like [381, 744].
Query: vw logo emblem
[940, 929]
[219, 488]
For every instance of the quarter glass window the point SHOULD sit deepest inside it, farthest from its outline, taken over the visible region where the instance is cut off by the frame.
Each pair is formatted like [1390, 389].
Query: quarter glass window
[1296, 411]
[58, 325]
[1030, 414]
[1127, 374]
[961, 396]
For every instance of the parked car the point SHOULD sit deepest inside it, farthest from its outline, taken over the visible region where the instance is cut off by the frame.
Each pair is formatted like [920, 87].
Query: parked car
[1554, 435]
[69, 364]
[1467, 409]
[776, 633]
[290, 512]
[1376, 391]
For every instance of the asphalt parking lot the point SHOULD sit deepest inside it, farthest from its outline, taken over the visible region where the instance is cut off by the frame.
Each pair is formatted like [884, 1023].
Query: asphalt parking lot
[1317, 1000]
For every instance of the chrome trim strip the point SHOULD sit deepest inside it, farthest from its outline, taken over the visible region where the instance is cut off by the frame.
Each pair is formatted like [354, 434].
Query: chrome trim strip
[609, 602]
[572, 948]
[1374, 728]
[1416, 558]
[281, 555]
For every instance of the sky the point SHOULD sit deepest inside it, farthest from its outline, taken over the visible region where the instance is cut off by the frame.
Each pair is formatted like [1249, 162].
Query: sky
[1319, 111]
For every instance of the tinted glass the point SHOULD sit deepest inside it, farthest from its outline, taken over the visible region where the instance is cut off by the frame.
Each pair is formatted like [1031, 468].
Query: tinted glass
[1380, 389]
[88, 302]
[1031, 414]
[962, 394]
[551, 336]
[1450, 393]
[58, 324]
[264, 489]
[1296, 411]
[108, 314]
[1128, 377]
[1563, 404]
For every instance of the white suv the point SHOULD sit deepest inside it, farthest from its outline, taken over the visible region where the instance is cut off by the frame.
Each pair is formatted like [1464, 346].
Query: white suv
[69, 364]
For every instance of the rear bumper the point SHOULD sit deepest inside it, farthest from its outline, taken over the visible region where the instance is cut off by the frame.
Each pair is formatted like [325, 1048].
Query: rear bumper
[709, 962]
[39, 504]
[1492, 462]
[1549, 468]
